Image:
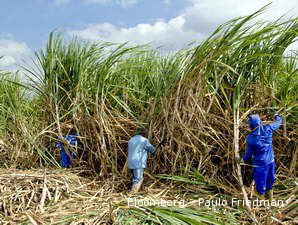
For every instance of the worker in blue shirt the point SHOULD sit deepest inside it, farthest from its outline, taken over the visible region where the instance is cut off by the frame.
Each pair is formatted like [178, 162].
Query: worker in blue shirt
[259, 150]
[138, 149]
[65, 158]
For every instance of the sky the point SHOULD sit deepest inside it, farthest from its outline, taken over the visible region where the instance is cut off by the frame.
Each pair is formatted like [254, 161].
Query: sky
[171, 24]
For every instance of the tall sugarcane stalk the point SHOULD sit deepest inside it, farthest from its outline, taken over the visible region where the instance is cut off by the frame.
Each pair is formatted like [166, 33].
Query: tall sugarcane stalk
[237, 121]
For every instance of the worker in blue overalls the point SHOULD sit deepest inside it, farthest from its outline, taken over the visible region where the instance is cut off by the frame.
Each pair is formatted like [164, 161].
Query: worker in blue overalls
[138, 149]
[259, 150]
[65, 156]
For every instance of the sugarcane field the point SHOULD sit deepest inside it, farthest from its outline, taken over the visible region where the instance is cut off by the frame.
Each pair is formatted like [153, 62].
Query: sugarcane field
[148, 112]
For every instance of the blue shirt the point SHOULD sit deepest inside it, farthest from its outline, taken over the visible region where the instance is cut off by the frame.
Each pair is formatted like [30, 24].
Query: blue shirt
[138, 149]
[64, 157]
[259, 141]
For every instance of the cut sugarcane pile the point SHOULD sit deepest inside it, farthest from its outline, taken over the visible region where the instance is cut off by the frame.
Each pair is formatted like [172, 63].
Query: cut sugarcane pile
[43, 196]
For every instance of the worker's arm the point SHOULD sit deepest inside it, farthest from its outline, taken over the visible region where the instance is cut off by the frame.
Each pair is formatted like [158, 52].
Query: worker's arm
[73, 141]
[277, 122]
[248, 152]
[149, 147]
[59, 144]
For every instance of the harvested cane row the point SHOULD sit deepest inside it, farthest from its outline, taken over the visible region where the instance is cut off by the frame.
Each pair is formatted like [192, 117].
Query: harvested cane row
[65, 197]
[41, 196]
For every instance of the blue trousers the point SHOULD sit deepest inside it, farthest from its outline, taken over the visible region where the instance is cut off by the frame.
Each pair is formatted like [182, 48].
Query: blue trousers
[137, 175]
[264, 177]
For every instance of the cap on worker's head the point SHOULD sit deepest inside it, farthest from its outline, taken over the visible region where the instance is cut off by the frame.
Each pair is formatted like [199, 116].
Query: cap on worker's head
[254, 121]
[141, 131]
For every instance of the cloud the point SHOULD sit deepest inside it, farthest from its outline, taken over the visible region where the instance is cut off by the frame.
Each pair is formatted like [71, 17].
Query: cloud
[195, 22]
[206, 15]
[167, 2]
[171, 34]
[123, 3]
[13, 52]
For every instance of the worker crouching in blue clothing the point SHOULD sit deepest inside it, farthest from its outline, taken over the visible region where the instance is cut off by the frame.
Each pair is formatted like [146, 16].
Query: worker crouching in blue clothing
[65, 157]
[138, 149]
[259, 150]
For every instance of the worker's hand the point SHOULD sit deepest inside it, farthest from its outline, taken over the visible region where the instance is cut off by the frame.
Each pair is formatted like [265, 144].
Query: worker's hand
[276, 116]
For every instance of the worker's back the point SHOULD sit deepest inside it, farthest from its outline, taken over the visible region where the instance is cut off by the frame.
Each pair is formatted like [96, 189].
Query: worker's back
[64, 157]
[138, 147]
[259, 141]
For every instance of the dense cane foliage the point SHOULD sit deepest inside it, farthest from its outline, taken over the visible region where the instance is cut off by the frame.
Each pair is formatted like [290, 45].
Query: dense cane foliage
[187, 99]
[194, 101]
